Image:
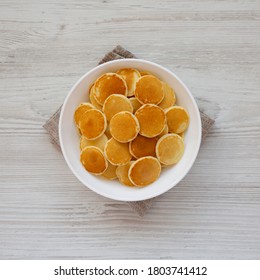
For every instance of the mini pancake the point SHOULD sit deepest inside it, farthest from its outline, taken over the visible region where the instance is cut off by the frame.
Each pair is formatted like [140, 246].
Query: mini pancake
[93, 159]
[107, 84]
[165, 131]
[78, 130]
[110, 172]
[177, 119]
[151, 119]
[144, 171]
[92, 124]
[100, 142]
[93, 99]
[142, 146]
[169, 149]
[107, 132]
[135, 103]
[122, 174]
[82, 108]
[182, 135]
[124, 127]
[116, 103]
[117, 153]
[131, 76]
[144, 73]
[149, 89]
[169, 97]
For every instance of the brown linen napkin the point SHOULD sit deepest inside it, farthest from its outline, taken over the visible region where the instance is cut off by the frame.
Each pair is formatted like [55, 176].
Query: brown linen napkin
[52, 126]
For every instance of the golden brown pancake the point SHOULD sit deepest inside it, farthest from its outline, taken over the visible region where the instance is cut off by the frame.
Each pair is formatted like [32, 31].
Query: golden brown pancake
[144, 171]
[82, 108]
[117, 153]
[165, 131]
[116, 103]
[122, 174]
[169, 149]
[131, 76]
[78, 130]
[92, 124]
[144, 73]
[107, 132]
[169, 97]
[142, 146]
[124, 127]
[149, 89]
[177, 119]
[107, 84]
[93, 99]
[110, 172]
[151, 119]
[100, 142]
[135, 103]
[182, 135]
[93, 159]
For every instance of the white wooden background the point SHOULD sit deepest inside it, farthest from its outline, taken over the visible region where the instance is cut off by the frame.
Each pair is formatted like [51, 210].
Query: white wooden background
[214, 46]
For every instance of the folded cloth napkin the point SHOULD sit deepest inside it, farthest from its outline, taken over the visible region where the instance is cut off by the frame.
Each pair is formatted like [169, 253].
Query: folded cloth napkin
[52, 126]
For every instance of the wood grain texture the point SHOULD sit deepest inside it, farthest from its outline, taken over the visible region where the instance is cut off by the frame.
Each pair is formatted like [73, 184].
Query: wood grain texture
[45, 46]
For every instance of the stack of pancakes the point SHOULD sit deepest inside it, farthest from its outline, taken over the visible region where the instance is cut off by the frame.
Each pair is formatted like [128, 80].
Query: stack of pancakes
[131, 127]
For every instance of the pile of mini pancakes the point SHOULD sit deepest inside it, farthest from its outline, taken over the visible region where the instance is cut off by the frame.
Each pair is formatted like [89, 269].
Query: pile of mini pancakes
[131, 127]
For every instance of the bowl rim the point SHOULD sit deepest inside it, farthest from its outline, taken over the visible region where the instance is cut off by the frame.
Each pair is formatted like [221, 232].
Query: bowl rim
[154, 194]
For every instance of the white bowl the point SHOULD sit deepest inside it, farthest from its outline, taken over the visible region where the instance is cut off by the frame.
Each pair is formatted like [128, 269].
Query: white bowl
[69, 138]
